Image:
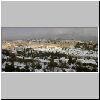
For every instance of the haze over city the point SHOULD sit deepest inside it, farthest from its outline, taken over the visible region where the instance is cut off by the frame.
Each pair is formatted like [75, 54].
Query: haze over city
[23, 33]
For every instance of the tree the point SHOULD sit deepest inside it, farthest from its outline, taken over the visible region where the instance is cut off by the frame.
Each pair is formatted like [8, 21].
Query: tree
[23, 70]
[77, 45]
[3, 60]
[17, 69]
[44, 70]
[73, 67]
[13, 57]
[73, 61]
[38, 66]
[33, 67]
[63, 70]
[9, 68]
[5, 52]
[62, 64]
[82, 69]
[52, 64]
[94, 70]
[84, 64]
[70, 60]
[78, 63]
[27, 69]
[3, 69]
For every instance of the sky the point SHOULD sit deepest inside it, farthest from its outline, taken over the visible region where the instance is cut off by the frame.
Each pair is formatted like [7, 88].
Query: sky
[26, 33]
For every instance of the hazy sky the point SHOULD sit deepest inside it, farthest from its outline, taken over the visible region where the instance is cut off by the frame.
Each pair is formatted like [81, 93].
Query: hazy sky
[49, 33]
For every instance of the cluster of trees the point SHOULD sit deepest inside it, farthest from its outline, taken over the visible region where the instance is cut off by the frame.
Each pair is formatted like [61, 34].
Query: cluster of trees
[86, 67]
[12, 68]
[78, 66]
[87, 46]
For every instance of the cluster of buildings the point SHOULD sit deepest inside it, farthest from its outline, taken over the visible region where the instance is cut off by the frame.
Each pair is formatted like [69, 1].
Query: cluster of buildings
[39, 43]
[63, 47]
